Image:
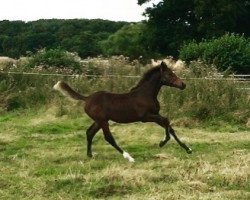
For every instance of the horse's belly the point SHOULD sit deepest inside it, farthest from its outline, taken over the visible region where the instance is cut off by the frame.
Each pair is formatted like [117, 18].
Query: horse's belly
[124, 116]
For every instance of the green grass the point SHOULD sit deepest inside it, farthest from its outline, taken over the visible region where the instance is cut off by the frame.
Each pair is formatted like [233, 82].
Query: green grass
[43, 156]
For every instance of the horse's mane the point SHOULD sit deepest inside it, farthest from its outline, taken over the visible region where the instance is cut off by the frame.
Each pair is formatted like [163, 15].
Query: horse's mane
[147, 75]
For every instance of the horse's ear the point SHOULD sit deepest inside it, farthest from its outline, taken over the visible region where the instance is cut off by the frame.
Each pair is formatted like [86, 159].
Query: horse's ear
[163, 66]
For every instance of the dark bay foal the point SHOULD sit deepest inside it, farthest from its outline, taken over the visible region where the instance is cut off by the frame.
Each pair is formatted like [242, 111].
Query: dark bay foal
[139, 104]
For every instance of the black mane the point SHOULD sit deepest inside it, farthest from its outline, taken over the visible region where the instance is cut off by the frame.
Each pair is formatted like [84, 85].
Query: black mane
[147, 75]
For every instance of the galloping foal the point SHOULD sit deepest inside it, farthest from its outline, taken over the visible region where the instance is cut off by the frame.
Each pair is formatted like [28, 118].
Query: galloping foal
[139, 104]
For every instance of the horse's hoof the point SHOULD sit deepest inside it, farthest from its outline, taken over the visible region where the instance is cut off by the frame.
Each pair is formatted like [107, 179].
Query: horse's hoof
[89, 155]
[189, 151]
[162, 143]
[127, 156]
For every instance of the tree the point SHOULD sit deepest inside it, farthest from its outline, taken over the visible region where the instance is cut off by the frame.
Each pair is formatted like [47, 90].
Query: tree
[128, 41]
[11, 28]
[35, 41]
[17, 37]
[10, 46]
[170, 23]
[222, 16]
[85, 44]
[174, 21]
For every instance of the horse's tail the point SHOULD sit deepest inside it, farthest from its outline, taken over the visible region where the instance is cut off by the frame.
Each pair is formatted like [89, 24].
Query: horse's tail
[65, 89]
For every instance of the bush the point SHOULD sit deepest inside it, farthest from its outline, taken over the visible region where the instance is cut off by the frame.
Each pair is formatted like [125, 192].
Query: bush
[56, 58]
[20, 91]
[229, 51]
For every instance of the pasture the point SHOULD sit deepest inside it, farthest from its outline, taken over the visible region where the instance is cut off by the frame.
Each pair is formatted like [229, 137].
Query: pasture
[43, 156]
[43, 141]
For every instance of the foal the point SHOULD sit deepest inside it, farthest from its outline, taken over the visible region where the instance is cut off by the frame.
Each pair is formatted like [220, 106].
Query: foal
[139, 104]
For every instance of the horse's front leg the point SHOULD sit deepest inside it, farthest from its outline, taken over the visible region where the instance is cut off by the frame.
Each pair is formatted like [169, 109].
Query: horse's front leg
[164, 122]
[165, 139]
[183, 145]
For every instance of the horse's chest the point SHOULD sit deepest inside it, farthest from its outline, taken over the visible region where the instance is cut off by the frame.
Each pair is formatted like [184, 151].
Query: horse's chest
[143, 107]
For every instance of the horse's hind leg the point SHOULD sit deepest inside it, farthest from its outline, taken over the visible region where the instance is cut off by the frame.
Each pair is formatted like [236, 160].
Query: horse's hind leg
[110, 139]
[183, 145]
[91, 132]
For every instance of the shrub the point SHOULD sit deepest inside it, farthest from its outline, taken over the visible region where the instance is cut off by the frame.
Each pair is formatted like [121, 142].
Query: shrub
[19, 91]
[56, 58]
[229, 51]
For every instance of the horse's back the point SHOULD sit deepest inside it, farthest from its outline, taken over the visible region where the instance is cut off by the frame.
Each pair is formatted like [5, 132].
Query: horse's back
[104, 106]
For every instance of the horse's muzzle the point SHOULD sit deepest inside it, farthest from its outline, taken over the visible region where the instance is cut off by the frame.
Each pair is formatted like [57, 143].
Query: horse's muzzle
[177, 84]
[183, 86]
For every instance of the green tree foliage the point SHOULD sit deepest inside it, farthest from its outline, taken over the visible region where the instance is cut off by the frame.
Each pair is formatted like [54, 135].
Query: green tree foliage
[169, 22]
[174, 21]
[81, 36]
[85, 44]
[229, 51]
[128, 41]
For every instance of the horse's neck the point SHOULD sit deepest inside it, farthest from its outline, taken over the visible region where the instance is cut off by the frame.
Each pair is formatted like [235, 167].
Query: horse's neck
[150, 88]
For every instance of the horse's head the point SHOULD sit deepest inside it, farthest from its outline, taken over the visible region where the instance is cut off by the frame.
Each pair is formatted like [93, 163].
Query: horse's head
[169, 78]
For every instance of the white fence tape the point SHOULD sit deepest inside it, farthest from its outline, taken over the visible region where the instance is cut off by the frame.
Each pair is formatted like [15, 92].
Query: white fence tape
[230, 77]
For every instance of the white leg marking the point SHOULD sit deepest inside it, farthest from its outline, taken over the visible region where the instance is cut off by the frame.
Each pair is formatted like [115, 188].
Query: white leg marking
[189, 150]
[57, 86]
[127, 156]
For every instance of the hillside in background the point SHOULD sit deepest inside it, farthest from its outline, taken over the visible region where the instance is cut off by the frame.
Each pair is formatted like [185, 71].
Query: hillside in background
[18, 38]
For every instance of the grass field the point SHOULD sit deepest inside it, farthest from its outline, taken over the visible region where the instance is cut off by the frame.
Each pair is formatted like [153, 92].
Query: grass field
[43, 156]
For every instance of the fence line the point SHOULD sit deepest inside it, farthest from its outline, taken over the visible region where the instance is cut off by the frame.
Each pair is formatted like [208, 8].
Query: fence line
[70, 75]
[240, 77]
